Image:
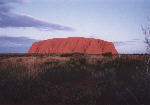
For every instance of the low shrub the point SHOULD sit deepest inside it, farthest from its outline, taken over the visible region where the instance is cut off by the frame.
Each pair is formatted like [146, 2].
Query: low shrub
[75, 54]
[107, 54]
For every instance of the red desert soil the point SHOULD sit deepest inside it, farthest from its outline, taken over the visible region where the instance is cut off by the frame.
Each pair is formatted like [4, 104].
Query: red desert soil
[73, 44]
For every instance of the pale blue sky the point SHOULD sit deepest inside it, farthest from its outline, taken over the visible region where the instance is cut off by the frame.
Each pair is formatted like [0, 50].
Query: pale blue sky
[111, 20]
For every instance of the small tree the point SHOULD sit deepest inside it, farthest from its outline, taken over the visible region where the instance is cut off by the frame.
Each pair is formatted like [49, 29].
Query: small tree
[146, 31]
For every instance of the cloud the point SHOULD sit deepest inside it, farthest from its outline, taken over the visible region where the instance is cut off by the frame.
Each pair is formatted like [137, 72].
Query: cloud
[19, 20]
[134, 46]
[123, 43]
[15, 44]
[9, 1]
[119, 43]
[10, 19]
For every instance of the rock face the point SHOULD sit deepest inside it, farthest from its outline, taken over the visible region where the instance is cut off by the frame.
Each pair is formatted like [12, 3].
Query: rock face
[73, 44]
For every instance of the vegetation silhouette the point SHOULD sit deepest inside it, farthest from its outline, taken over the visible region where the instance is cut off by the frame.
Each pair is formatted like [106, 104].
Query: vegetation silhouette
[74, 80]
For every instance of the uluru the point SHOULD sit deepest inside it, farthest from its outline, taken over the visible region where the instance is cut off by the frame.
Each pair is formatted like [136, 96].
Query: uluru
[73, 44]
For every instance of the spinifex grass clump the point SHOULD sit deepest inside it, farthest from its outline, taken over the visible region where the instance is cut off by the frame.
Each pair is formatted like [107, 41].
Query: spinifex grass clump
[77, 81]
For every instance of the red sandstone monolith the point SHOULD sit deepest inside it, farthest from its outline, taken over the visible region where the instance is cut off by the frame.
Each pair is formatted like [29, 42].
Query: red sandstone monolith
[73, 44]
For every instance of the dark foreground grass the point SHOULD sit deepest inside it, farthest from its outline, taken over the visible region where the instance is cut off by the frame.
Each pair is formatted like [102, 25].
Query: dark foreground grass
[110, 80]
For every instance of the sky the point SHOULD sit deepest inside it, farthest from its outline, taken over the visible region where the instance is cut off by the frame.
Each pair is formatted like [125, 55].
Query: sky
[118, 21]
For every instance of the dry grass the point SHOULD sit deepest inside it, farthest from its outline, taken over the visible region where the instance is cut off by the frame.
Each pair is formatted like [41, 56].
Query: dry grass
[74, 80]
